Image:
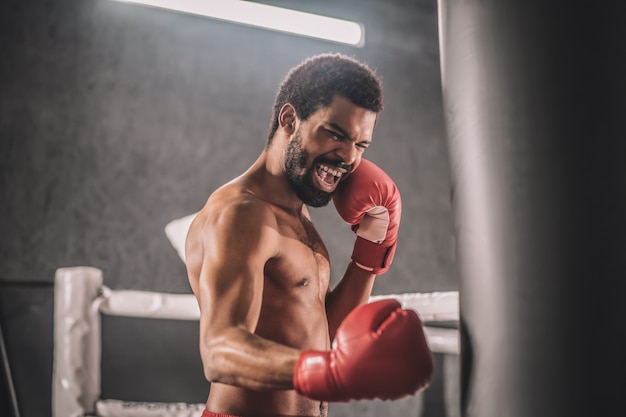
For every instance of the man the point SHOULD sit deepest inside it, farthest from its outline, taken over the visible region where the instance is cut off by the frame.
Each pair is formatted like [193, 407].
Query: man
[261, 272]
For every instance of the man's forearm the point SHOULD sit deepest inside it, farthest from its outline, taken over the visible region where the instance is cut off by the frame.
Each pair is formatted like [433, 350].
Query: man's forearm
[354, 289]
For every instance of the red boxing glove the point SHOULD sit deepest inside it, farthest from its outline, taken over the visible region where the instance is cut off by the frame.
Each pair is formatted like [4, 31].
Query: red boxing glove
[380, 351]
[369, 200]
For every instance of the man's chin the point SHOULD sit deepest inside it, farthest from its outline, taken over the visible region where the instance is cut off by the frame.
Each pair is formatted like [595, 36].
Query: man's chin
[309, 193]
[316, 198]
[318, 203]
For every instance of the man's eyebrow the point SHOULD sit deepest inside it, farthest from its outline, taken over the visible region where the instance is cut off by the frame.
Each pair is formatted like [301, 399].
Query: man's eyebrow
[345, 133]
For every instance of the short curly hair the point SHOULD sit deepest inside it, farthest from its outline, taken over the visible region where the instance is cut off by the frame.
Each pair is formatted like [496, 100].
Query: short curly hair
[313, 83]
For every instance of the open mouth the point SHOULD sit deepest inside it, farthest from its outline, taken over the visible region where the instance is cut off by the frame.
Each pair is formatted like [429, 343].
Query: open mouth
[328, 176]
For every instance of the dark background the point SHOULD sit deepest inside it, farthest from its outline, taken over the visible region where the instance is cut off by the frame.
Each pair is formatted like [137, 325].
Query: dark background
[116, 119]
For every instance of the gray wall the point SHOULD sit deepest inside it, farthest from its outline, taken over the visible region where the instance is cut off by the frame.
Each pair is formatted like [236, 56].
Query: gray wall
[116, 119]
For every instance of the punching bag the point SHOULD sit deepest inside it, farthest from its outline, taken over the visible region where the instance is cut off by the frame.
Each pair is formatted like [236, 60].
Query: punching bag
[535, 107]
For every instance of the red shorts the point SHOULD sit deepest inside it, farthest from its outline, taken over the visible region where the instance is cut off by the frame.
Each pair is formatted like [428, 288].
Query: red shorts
[206, 413]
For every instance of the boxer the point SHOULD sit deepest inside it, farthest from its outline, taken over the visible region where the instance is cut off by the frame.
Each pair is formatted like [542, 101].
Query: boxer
[275, 339]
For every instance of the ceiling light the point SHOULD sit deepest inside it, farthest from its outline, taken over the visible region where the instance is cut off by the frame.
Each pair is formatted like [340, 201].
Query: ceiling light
[268, 17]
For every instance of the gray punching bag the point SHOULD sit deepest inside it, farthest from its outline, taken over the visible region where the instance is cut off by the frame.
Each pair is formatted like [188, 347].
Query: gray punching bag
[535, 107]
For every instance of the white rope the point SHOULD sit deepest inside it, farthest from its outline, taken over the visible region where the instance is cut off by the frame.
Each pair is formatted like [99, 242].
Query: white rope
[147, 304]
[431, 307]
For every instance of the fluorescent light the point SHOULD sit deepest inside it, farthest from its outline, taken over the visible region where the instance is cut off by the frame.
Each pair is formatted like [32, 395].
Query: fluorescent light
[269, 17]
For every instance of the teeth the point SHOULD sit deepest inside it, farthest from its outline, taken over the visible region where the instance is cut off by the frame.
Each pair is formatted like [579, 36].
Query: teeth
[331, 171]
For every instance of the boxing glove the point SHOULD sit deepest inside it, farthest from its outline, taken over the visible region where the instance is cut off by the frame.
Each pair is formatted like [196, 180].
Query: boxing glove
[369, 200]
[379, 351]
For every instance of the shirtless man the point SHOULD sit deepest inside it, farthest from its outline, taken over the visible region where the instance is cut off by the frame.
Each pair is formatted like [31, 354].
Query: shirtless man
[261, 272]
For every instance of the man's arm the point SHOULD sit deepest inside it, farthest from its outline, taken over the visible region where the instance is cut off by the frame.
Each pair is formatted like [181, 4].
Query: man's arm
[226, 253]
[370, 202]
[353, 290]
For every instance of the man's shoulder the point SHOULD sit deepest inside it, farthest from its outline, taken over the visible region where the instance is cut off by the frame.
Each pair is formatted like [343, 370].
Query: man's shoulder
[233, 207]
[233, 198]
[229, 215]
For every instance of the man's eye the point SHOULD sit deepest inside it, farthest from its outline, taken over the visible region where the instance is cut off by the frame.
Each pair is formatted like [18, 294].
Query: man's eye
[362, 145]
[334, 135]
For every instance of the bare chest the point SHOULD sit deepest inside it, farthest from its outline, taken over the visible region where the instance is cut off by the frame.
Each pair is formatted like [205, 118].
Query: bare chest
[295, 289]
[303, 259]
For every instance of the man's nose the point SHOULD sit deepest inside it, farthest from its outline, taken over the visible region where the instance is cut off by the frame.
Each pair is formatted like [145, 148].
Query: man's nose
[348, 152]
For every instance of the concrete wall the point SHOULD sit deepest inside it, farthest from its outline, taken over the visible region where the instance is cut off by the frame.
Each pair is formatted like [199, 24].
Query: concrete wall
[116, 119]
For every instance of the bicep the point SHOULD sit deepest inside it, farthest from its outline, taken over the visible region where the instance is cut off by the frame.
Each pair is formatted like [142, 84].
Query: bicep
[236, 246]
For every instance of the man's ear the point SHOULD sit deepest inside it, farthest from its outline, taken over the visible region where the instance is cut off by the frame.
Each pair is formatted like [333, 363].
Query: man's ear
[287, 118]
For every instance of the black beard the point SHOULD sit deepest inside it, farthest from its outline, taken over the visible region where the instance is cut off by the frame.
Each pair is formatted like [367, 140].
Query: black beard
[295, 160]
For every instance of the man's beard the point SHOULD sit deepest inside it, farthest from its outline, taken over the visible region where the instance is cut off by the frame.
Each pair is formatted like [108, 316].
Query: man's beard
[295, 161]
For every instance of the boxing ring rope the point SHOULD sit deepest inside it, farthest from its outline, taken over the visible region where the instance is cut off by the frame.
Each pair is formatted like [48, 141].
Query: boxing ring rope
[80, 298]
